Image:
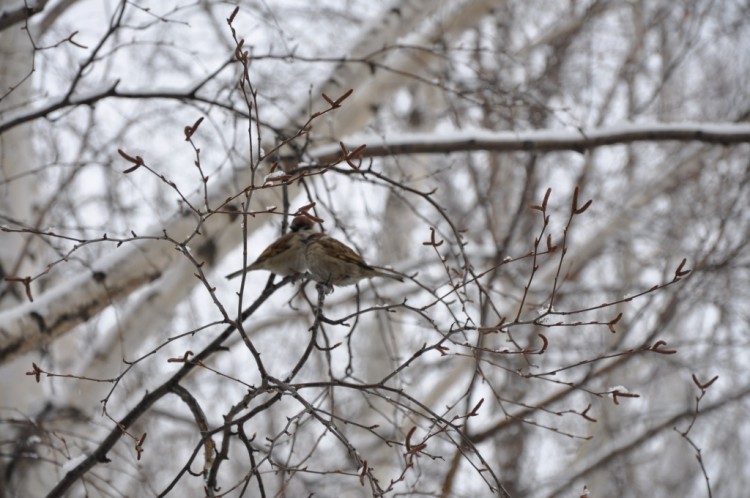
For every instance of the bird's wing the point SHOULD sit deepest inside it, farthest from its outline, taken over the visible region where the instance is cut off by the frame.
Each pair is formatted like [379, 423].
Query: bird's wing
[282, 244]
[344, 252]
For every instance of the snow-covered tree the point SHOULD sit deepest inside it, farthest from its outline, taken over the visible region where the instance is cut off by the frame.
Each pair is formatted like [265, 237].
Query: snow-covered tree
[562, 186]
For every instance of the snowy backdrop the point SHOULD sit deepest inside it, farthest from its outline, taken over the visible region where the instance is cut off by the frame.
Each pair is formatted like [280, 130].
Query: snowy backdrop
[564, 187]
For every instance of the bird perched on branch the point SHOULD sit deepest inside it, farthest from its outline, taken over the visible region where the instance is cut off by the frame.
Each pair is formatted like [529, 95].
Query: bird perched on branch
[331, 262]
[285, 256]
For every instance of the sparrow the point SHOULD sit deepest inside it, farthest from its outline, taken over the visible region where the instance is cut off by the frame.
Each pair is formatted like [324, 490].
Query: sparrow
[285, 256]
[331, 262]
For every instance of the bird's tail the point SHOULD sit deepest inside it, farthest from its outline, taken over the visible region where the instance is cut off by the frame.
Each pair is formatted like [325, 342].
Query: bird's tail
[385, 272]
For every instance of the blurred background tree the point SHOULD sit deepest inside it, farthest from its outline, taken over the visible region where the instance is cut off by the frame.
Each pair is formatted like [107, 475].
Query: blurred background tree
[541, 345]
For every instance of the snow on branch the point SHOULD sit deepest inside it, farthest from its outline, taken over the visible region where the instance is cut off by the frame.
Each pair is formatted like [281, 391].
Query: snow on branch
[539, 140]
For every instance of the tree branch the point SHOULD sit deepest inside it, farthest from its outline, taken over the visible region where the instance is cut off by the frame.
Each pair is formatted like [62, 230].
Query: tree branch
[99, 455]
[19, 13]
[538, 140]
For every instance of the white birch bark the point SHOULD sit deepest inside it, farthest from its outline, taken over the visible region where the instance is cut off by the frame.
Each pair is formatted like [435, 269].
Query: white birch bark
[16, 194]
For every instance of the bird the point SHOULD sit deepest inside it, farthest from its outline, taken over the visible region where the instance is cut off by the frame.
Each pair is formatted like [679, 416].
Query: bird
[331, 262]
[286, 255]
